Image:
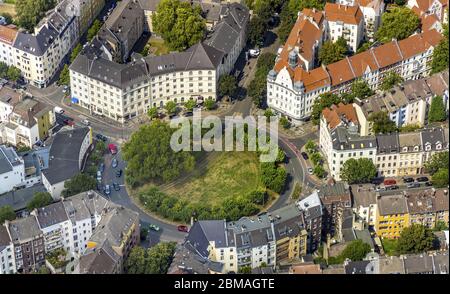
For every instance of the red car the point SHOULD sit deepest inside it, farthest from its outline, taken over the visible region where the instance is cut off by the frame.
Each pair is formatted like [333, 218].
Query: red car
[69, 122]
[182, 228]
[389, 182]
[112, 148]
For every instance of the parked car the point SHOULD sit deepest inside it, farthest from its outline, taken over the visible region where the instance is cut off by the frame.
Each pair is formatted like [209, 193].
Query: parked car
[85, 122]
[381, 187]
[183, 228]
[114, 163]
[101, 137]
[112, 148]
[69, 122]
[107, 190]
[59, 110]
[102, 167]
[422, 179]
[254, 52]
[392, 187]
[408, 179]
[304, 155]
[389, 182]
[99, 176]
[153, 227]
[116, 187]
[376, 181]
[412, 185]
[428, 184]
[310, 170]
[118, 173]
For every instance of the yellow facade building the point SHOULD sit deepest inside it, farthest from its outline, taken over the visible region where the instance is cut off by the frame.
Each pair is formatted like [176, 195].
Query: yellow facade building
[392, 216]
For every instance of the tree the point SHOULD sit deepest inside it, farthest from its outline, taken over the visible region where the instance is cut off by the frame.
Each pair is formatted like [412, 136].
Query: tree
[136, 262]
[436, 162]
[273, 177]
[440, 178]
[144, 233]
[13, 74]
[381, 124]
[390, 80]
[288, 19]
[190, 104]
[361, 89]
[285, 123]
[257, 29]
[245, 269]
[30, 12]
[356, 250]
[93, 30]
[3, 69]
[227, 85]
[440, 53]
[6, 213]
[171, 107]
[150, 156]
[78, 184]
[298, 5]
[400, 2]
[310, 146]
[440, 226]
[323, 101]
[180, 24]
[319, 171]
[437, 110]
[152, 113]
[43, 270]
[297, 191]
[269, 113]
[210, 104]
[159, 258]
[75, 52]
[358, 171]
[364, 47]
[415, 239]
[258, 86]
[398, 23]
[40, 199]
[331, 52]
[64, 76]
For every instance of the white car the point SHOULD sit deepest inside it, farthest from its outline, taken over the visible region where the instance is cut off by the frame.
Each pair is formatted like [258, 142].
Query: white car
[310, 170]
[254, 52]
[58, 110]
[85, 122]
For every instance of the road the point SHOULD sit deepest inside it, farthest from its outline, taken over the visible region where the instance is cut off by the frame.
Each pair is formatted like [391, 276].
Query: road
[118, 133]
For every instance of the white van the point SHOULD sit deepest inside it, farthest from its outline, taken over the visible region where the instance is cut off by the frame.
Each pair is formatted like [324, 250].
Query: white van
[59, 110]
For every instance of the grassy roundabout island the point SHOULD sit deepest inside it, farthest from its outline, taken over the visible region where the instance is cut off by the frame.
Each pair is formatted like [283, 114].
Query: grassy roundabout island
[213, 185]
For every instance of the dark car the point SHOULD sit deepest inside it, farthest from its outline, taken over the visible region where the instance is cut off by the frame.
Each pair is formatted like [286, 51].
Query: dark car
[422, 179]
[304, 155]
[118, 173]
[69, 122]
[116, 187]
[101, 137]
[428, 184]
[377, 181]
[413, 185]
[408, 180]
[393, 187]
[183, 228]
[102, 167]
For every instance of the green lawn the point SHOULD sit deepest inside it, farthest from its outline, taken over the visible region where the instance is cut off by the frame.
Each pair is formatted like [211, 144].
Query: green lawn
[227, 174]
[158, 47]
[390, 246]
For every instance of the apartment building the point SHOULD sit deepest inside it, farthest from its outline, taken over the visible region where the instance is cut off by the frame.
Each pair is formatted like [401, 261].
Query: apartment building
[28, 242]
[335, 198]
[428, 207]
[8, 35]
[438, 84]
[364, 203]
[56, 227]
[434, 140]
[9, 97]
[346, 22]
[122, 29]
[392, 216]
[438, 8]
[30, 121]
[123, 91]
[111, 242]
[386, 160]
[291, 89]
[12, 170]
[68, 148]
[411, 154]
[290, 234]
[7, 260]
[313, 214]
[372, 11]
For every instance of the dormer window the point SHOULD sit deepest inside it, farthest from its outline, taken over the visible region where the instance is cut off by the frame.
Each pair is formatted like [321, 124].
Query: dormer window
[405, 149]
[428, 147]
[416, 148]
[438, 146]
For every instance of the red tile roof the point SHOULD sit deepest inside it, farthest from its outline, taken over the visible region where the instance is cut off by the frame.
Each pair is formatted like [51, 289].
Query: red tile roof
[333, 114]
[347, 14]
[7, 34]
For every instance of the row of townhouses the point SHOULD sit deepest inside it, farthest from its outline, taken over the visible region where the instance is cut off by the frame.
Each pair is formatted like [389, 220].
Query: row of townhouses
[389, 212]
[296, 80]
[335, 213]
[23, 121]
[407, 104]
[40, 54]
[95, 232]
[103, 82]
[395, 154]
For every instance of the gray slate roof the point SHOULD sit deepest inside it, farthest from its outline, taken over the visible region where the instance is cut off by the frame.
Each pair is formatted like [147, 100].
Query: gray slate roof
[433, 137]
[51, 214]
[343, 140]
[5, 240]
[8, 159]
[205, 231]
[64, 155]
[19, 199]
[24, 229]
[388, 143]
[392, 204]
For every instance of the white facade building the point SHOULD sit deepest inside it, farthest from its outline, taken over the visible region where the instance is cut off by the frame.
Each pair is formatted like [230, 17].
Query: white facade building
[7, 260]
[12, 170]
